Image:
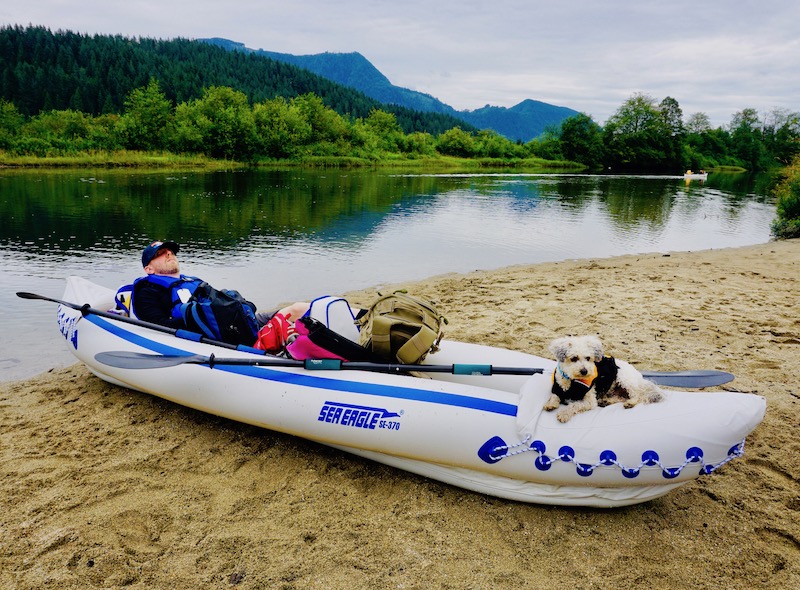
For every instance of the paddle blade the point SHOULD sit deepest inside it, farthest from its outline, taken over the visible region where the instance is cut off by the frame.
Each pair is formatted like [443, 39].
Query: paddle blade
[138, 360]
[694, 379]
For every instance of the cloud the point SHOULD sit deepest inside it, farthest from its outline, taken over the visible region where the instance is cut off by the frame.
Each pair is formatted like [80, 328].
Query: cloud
[715, 56]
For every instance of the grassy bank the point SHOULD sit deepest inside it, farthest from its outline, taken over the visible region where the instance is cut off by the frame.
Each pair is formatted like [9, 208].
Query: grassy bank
[117, 159]
[728, 169]
[132, 159]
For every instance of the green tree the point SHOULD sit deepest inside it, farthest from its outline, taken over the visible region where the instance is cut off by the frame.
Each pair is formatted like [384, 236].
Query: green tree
[582, 140]
[490, 144]
[698, 123]
[672, 119]
[329, 130]
[547, 145]
[636, 137]
[672, 116]
[10, 123]
[386, 128]
[281, 129]
[62, 131]
[219, 124]
[747, 140]
[418, 143]
[104, 133]
[781, 133]
[787, 222]
[456, 142]
[148, 119]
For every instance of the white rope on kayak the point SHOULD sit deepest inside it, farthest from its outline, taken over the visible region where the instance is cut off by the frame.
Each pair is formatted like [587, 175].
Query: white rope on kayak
[608, 458]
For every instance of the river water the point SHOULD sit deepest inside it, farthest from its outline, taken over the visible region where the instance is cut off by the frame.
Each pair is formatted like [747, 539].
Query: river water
[279, 236]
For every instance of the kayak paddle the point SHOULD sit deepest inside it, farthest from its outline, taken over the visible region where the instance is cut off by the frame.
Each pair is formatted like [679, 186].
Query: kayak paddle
[696, 379]
[136, 360]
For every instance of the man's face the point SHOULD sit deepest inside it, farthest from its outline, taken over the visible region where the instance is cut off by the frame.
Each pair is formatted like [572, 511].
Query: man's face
[163, 263]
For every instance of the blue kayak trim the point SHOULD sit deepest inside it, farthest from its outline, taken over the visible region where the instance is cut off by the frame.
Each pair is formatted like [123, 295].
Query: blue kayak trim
[305, 380]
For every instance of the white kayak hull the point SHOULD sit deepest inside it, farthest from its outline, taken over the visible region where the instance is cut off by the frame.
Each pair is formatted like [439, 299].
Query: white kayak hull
[483, 433]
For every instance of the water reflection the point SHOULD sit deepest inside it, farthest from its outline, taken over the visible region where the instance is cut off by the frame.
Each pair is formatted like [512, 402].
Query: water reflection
[283, 235]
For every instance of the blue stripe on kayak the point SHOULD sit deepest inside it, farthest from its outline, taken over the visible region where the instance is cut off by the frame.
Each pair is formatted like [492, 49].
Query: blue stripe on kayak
[305, 380]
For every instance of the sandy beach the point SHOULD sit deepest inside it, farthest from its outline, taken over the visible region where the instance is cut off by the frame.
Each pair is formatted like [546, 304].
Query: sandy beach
[103, 487]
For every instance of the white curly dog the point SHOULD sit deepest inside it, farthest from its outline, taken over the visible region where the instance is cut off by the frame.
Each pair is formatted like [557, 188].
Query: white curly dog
[585, 379]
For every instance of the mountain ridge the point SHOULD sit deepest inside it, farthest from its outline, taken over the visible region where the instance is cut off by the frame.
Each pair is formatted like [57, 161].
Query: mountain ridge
[522, 122]
[42, 71]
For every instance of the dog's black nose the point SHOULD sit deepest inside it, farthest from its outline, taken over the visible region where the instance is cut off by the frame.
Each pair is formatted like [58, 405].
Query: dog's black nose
[584, 371]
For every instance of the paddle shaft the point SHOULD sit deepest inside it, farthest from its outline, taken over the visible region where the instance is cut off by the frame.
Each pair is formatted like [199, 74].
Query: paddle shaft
[86, 309]
[137, 360]
[693, 379]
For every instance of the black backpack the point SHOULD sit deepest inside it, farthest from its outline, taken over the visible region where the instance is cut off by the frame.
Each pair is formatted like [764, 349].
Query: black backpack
[221, 315]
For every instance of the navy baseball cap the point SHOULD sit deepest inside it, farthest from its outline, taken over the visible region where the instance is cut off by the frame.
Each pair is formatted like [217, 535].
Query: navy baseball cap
[150, 252]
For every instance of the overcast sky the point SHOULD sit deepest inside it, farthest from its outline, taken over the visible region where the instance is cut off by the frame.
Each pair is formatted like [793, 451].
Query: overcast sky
[713, 56]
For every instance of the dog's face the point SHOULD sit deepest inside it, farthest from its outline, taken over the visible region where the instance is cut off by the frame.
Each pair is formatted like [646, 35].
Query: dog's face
[577, 355]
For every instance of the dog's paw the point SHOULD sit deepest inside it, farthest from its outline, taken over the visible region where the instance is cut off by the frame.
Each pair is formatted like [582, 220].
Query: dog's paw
[564, 415]
[552, 403]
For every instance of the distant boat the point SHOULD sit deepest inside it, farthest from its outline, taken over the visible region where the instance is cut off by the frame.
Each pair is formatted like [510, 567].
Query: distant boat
[689, 175]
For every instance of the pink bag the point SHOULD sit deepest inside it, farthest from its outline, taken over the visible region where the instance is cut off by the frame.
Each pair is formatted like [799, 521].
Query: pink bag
[302, 348]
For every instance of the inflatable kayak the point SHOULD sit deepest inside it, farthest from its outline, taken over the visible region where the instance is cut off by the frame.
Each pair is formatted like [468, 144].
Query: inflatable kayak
[483, 432]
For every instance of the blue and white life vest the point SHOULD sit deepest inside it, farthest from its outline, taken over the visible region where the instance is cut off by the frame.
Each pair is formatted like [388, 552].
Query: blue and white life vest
[222, 315]
[181, 290]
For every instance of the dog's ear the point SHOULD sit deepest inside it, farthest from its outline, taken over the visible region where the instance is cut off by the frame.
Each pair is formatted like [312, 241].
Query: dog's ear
[559, 348]
[597, 347]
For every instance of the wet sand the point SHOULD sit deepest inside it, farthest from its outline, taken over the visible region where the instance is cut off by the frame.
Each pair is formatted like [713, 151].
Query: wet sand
[102, 487]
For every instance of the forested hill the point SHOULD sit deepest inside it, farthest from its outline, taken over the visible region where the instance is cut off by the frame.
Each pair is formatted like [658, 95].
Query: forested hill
[356, 71]
[523, 122]
[41, 71]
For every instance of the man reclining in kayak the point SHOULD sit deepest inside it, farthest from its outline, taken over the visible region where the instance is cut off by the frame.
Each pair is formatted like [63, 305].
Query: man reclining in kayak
[166, 297]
